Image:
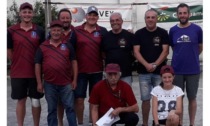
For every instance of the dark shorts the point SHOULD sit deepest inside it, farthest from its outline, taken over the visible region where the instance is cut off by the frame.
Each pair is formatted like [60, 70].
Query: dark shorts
[188, 82]
[161, 122]
[24, 87]
[83, 81]
[128, 118]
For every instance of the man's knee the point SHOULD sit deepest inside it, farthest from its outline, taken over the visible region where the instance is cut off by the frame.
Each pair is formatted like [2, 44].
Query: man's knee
[22, 101]
[35, 102]
[135, 119]
[131, 119]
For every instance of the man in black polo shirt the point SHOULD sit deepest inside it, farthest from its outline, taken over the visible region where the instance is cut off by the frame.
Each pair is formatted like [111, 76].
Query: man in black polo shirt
[23, 39]
[151, 48]
[118, 48]
[56, 59]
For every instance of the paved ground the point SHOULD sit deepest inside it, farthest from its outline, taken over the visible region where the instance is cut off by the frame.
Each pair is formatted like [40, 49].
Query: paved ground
[11, 115]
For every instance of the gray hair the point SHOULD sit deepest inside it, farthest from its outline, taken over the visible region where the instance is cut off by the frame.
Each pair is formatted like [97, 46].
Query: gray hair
[150, 11]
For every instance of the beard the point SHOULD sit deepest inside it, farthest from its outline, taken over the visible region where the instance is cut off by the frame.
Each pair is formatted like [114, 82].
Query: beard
[183, 22]
[66, 26]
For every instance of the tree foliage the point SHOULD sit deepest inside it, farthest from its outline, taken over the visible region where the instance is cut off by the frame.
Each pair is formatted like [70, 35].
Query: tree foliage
[39, 14]
[12, 14]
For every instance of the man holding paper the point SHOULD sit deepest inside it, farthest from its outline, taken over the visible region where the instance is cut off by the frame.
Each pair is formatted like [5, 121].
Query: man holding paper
[114, 93]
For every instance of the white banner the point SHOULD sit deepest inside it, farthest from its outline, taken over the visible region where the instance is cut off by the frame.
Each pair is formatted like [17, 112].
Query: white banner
[78, 14]
[167, 16]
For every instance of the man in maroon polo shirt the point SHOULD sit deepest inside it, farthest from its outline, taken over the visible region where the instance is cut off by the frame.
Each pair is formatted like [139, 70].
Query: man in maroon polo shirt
[90, 65]
[56, 59]
[114, 93]
[65, 16]
[23, 39]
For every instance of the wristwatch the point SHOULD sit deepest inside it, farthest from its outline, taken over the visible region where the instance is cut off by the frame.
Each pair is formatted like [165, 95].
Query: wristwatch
[154, 66]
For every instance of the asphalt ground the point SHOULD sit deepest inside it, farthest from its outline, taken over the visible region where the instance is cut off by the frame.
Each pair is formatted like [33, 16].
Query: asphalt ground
[11, 108]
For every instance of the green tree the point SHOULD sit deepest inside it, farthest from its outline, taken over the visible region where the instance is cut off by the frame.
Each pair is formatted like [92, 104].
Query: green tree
[12, 14]
[39, 13]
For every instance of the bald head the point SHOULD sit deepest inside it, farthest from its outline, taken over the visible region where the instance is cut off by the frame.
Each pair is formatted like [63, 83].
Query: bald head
[116, 22]
[116, 14]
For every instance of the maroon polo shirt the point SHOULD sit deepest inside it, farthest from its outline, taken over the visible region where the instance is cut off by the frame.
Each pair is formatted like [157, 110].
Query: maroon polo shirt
[24, 45]
[88, 50]
[56, 62]
[106, 98]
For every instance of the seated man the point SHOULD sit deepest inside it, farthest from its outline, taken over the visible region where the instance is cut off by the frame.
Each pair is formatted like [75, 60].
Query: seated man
[112, 92]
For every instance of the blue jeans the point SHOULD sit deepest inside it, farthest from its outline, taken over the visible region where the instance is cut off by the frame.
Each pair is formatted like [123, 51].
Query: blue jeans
[52, 92]
[146, 83]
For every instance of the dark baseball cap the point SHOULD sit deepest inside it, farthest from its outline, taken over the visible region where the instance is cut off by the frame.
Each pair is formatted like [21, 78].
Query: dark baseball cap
[26, 5]
[166, 69]
[56, 23]
[112, 68]
[92, 9]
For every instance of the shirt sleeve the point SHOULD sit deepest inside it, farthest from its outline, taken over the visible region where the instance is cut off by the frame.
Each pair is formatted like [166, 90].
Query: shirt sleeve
[136, 40]
[200, 36]
[42, 39]
[166, 39]
[73, 39]
[153, 92]
[179, 91]
[9, 40]
[72, 55]
[171, 38]
[130, 97]
[40, 31]
[94, 96]
[103, 31]
[39, 56]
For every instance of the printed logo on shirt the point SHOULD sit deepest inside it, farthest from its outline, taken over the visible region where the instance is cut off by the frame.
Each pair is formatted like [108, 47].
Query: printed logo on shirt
[164, 107]
[96, 34]
[122, 42]
[63, 47]
[156, 41]
[183, 38]
[33, 34]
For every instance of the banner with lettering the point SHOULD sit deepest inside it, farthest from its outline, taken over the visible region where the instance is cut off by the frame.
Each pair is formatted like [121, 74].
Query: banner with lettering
[79, 11]
[167, 16]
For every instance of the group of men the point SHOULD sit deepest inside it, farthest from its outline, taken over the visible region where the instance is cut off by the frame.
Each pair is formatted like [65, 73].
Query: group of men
[71, 59]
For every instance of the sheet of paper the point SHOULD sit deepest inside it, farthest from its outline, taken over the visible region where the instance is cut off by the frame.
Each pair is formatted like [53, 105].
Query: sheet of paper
[106, 119]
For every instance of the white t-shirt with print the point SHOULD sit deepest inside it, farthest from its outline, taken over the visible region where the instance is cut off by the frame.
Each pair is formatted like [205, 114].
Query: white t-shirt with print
[166, 99]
